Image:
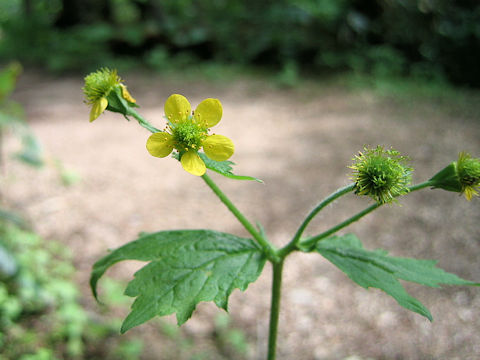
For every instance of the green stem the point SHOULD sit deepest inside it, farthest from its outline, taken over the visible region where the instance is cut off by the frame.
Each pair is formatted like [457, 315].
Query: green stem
[142, 121]
[311, 242]
[267, 247]
[275, 308]
[421, 185]
[292, 245]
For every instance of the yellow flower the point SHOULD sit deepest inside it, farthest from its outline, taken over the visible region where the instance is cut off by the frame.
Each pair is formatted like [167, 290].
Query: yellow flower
[187, 132]
[99, 86]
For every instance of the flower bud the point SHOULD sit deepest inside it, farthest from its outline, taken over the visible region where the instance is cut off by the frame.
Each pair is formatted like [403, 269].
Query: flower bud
[381, 174]
[104, 91]
[461, 176]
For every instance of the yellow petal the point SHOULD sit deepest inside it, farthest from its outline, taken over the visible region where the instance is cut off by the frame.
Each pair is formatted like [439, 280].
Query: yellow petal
[209, 112]
[98, 108]
[177, 108]
[218, 147]
[126, 95]
[470, 192]
[192, 163]
[160, 144]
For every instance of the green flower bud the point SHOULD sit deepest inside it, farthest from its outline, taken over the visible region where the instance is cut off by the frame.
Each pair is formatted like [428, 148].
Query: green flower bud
[104, 91]
[381, 174]
[461, 176]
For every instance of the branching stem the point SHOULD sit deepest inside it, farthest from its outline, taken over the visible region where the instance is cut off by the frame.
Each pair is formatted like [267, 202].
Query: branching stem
[310, 243]
[292, 245]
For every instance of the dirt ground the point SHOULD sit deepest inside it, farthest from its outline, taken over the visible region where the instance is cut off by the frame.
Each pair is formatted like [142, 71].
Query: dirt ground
[300, 143]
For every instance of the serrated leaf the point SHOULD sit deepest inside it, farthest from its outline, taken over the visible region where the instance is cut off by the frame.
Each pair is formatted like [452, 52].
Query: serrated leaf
[377, 269]
[225, 168]
[185, 268]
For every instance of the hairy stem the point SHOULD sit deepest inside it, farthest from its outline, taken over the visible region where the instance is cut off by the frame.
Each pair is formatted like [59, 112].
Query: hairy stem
[312, 241]
[267, 247]
[275, 309]
[142, 121]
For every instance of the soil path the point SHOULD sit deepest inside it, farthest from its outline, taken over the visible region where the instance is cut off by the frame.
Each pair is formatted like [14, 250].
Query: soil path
[300, 143]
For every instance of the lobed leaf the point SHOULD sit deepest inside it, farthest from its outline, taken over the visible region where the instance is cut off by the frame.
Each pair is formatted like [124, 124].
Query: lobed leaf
[185, 268]
[377, 269]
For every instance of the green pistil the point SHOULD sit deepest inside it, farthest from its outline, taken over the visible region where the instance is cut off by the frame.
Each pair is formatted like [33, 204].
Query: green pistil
[188, 135]
[381, 174]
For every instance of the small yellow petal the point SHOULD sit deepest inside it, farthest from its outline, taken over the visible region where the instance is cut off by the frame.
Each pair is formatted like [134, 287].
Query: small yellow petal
[126, 95]
[218, 147]
[160, 144]
[98, 108]
[177, 108]
[470, 192]
[192, 163]
[209, 112]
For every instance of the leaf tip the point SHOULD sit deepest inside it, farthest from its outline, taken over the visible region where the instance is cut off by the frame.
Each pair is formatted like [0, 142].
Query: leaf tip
[124, 328]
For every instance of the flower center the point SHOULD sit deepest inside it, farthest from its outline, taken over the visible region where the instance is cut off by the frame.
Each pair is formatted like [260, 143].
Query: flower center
[188, 135]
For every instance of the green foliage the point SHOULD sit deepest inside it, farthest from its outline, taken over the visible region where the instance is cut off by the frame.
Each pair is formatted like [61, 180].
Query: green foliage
[232, 340]
[377, 269]
[12, 118]
[41, 316]
[431, 39]
[185, 267]
[39, 279]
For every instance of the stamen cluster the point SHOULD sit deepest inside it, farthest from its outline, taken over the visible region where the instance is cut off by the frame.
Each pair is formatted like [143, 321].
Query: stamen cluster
[188, 135]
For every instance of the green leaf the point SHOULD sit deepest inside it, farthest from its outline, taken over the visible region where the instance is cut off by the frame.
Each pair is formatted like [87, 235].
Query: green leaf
[377, 269]
[224, 168]
[185, 267]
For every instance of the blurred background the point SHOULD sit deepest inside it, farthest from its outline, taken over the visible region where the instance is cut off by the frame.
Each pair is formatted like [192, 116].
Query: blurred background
[304, 85]
[430, 39]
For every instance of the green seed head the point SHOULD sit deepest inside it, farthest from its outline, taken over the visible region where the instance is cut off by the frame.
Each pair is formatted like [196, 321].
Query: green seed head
[381, 174]
[468, 170]
[99, 84]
